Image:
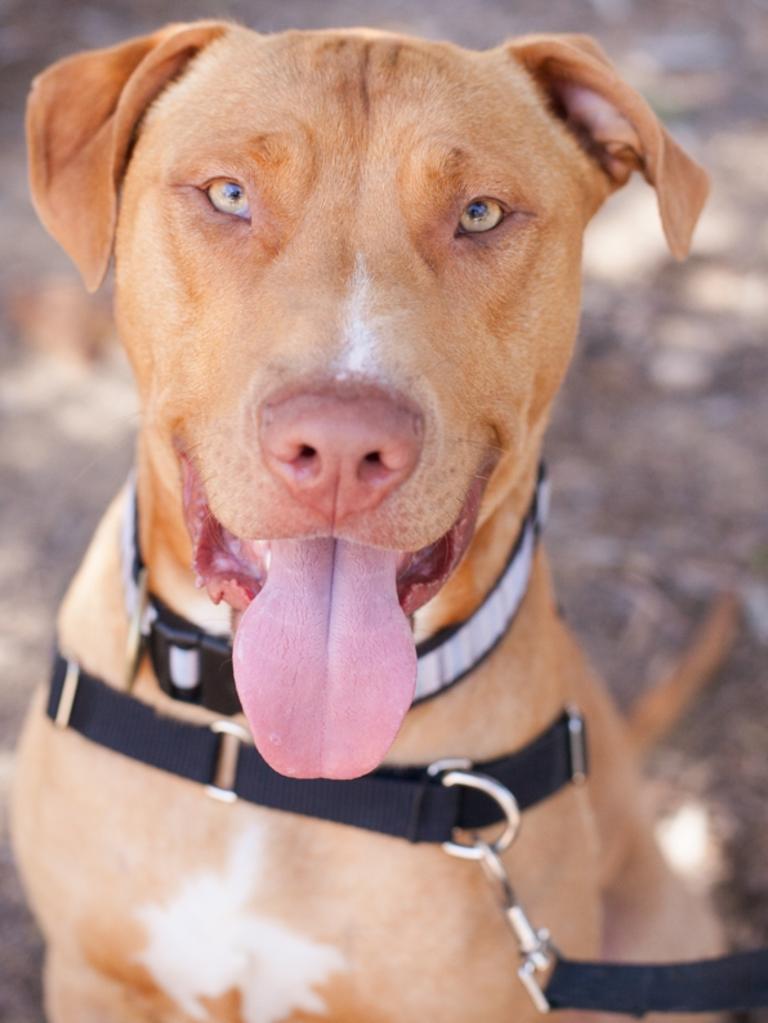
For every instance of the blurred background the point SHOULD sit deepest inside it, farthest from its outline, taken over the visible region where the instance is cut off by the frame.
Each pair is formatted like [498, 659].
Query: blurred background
[658, 452]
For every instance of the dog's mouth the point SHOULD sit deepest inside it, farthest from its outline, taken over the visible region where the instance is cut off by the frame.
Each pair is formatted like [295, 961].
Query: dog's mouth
[235, 570]
[324, 657]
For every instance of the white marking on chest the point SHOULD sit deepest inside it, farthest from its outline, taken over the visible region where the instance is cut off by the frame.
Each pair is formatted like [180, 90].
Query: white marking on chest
[359, 327]
[204, 942]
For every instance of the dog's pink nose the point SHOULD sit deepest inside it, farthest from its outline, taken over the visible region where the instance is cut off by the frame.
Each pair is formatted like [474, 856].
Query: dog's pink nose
[341, 453]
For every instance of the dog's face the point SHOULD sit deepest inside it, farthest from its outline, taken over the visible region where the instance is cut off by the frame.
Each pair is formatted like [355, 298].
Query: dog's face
[347, 278]
[344, 264]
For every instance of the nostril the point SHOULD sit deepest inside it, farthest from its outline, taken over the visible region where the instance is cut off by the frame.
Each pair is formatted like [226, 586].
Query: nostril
[302, 462]
[378, 467]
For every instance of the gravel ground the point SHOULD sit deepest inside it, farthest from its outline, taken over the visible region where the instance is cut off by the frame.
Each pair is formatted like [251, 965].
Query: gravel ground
[657, 452]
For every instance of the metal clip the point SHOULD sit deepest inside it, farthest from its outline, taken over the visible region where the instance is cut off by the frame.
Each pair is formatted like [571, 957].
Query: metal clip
[536, 950]
[133, 642]
[233, 736]
[455, 771]
[527, 971]
[577, 745]
[537, 953]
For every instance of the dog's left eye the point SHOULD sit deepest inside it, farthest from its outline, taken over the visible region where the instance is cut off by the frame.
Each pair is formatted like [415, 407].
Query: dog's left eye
[229, 197]
[480, 215]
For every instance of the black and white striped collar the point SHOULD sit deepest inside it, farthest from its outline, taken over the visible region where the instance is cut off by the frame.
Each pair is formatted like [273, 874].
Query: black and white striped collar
[196, 666]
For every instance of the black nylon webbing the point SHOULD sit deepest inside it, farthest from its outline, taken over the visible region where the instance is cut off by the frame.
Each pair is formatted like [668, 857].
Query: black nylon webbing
[407, 803]
[403, 802]
[729, 984]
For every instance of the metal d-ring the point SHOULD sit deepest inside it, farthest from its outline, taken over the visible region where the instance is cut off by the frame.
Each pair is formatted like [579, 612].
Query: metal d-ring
[455, 771]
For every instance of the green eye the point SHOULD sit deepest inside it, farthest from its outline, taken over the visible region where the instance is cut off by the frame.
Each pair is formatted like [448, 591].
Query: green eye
[480, 215]
[229, 197]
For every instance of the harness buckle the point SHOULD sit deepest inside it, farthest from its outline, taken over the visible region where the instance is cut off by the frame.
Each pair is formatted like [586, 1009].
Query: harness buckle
[67, 695]
[232, 736]
[577, 744]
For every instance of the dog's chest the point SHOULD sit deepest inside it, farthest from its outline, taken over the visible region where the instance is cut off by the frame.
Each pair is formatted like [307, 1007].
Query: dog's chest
[206, 939]
[201, 911]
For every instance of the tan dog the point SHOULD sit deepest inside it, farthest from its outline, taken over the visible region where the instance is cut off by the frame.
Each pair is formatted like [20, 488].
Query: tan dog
[347, 273]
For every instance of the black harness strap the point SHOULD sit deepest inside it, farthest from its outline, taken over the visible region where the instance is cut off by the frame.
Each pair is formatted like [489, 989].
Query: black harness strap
[408, 803]
[404, 802]
[731, 984]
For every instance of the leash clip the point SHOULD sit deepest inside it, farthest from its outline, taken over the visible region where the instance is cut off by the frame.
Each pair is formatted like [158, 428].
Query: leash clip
[537, 953]
[536, 950]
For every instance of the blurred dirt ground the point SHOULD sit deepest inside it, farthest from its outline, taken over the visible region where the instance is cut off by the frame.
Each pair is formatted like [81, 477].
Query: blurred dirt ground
[658, 451]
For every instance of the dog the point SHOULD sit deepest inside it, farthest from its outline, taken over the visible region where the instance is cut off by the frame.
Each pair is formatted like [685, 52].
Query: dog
[347, 272]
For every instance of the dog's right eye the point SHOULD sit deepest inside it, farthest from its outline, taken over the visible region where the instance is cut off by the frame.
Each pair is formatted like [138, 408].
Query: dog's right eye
[229, 197]
[480, 215]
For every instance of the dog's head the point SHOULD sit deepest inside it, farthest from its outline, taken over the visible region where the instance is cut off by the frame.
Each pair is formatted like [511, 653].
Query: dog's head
[347, 275]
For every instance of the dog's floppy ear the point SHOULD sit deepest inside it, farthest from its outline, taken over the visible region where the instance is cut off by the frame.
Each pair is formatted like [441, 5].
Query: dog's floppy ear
[81, 117]
[616, 126]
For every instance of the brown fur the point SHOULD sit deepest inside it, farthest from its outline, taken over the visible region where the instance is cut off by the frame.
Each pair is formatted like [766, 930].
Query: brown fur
[329, 134]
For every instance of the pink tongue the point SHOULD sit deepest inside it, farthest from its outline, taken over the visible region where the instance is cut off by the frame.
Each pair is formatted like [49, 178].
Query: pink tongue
[324, 659]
